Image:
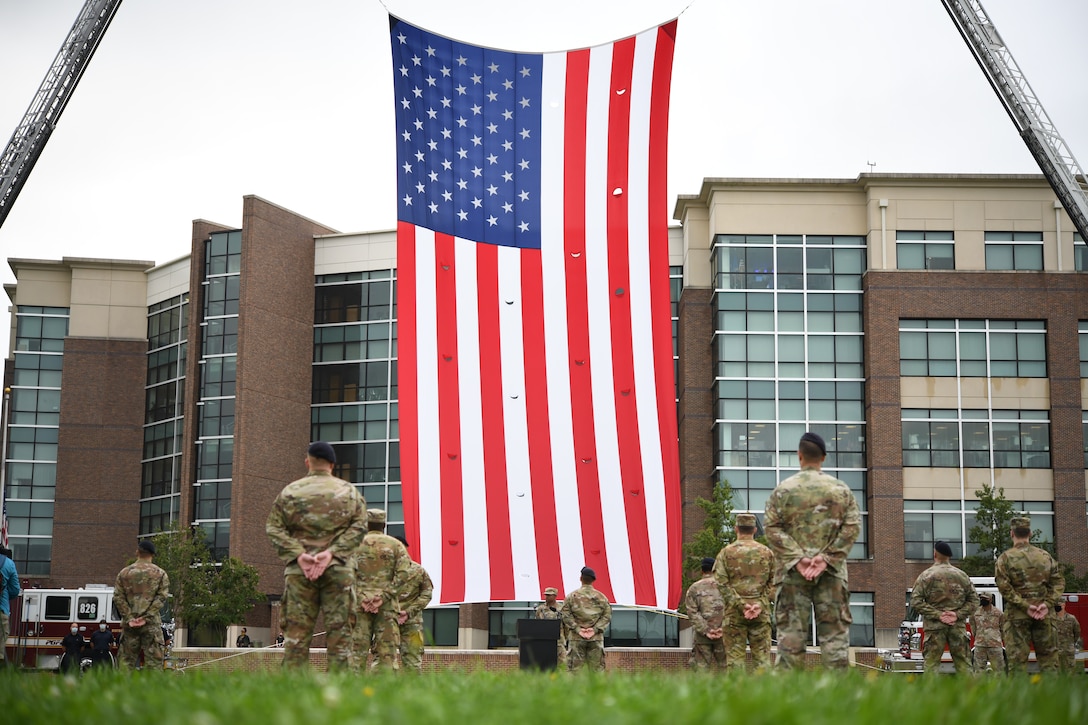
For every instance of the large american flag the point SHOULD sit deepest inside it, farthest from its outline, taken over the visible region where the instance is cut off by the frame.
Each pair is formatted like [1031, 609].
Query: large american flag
[537, 404]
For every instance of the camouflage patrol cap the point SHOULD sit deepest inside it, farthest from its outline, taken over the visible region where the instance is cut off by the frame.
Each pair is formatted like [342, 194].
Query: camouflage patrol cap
[1021, 522]
[551, 590]
[375, 516]
[746, 519]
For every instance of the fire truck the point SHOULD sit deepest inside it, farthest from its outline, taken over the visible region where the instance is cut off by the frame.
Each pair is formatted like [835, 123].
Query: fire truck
[908, 658]
[40, 618]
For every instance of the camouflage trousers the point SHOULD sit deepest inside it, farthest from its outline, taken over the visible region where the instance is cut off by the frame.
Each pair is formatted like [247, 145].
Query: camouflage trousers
[755, 633]
[707, 654]
[379, 635]
[587, 653]
[1020, 635]
[146, 639]
[333, 595]
[992, 656]
[829, 596]
[1067, 662]
[939, 634]
[411, 645]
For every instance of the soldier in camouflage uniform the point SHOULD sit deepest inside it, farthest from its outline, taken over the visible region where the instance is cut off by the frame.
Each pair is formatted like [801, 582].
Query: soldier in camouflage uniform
[986, 625]
[745, 572]
[586, 613]
[139, 595]
[548, 609]
[811, 521]
[381, 564]
[706, 610]
[415, 594]
[945, 597]
[315, 525]
[1068, 640]
[1031, 584]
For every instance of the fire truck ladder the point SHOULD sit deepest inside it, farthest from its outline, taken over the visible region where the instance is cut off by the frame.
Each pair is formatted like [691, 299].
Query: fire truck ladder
[60, 82]
[1052, 154]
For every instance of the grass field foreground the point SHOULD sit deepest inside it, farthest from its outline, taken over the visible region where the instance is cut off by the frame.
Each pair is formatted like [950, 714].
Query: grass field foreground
[208, 698]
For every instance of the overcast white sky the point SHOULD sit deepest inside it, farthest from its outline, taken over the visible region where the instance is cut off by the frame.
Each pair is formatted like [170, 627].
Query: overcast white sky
[188, 106]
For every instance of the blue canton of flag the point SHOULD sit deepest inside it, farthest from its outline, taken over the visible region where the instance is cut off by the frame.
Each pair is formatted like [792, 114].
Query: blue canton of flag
[468, 152]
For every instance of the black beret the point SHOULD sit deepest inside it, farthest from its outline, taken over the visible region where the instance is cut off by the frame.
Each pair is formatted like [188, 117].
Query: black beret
[321, 449]
[708, 563]
[147, 545]
[589, 573]
[814, 438]
[942, 547]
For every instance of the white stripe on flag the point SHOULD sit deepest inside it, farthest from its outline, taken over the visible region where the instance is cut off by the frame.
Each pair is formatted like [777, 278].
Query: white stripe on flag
[430, 514]
[520, 494]
[476, 550]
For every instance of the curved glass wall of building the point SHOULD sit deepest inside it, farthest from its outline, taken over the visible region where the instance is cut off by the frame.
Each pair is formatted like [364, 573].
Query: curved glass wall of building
[788, 347]
[30, 451]
[160, 489]
[215, 401]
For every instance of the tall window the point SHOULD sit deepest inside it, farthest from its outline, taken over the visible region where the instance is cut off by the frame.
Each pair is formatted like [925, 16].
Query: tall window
[440, 625]
[972, 348]
[160, 490]
[1080, 253]
[1082, 337]
[218, 366]
[1014, 251]
[925, 250]
[976, 438]
[788, 346]
[676, 288]
[355, 384]
[33, 431]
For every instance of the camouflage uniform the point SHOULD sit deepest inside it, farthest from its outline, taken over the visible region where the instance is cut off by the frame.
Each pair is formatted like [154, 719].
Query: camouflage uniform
[310, 515]
[562, 651]
[1027, 575]
[745, 572]
[140, 591]
[1066, 633]
[586, 607]
[706, 609]
[944, 588]
[381, 564]
[415, 594]
[812, 513]
[986, 627]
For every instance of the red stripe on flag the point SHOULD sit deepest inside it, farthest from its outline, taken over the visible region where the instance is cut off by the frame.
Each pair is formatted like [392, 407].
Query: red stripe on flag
[581, 384]
[449, 423]
[406, 374]
[496, 485]
[660, 304]
[538, 420]
[623, 366]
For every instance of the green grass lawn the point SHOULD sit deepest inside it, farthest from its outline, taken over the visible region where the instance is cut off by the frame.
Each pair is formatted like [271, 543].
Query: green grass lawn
[467, 699]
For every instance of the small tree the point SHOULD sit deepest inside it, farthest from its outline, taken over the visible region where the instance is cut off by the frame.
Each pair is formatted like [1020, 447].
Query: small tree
[205, 593]
[717, 531]
[990, 532]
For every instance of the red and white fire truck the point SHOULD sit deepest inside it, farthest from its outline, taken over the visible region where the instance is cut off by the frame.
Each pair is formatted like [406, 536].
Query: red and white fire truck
[908, 658]
[40, 618]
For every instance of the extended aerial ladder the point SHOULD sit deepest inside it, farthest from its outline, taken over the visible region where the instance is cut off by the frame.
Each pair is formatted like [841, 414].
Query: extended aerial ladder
[60, 82]
[1048, 147]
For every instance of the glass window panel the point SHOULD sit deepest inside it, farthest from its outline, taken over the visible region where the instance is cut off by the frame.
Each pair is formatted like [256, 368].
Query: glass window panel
[999, 257]
[910, 256]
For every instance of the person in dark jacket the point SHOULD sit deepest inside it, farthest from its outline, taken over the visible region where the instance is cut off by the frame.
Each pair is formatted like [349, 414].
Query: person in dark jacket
[73, 644]
[101, 641]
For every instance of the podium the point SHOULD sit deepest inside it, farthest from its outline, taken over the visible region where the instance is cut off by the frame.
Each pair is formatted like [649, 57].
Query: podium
[537, 643]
